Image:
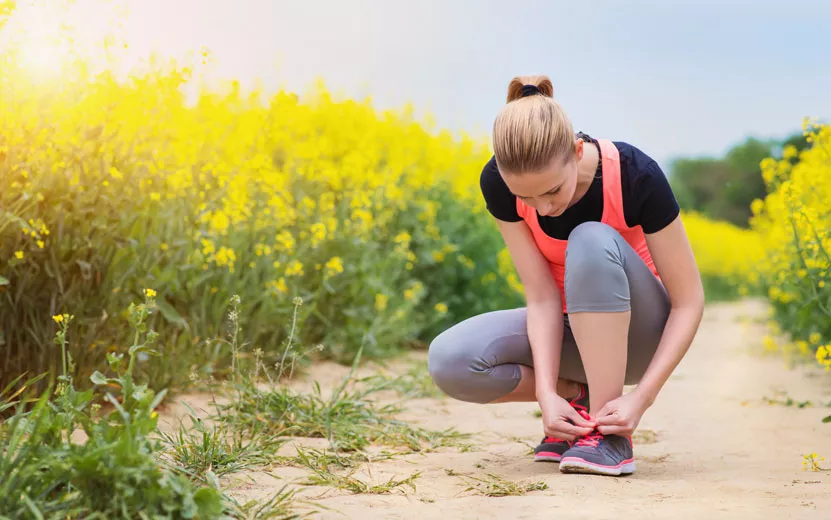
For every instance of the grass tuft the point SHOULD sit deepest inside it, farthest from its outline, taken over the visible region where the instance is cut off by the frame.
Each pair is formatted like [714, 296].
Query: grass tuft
[495, 486]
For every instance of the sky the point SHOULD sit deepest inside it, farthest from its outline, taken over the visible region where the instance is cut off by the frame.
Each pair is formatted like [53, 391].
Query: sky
[673, 77]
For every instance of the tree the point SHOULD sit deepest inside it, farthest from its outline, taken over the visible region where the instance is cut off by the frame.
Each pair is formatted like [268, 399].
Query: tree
[723, 188]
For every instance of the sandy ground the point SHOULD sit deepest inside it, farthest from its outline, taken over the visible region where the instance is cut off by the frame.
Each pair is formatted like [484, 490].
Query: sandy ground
[710, 447]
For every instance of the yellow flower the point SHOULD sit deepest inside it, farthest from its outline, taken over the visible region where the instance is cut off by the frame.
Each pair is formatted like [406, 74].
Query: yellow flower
[334, 265]
[318, 232]
[207, 247]
[41, 243]
[150, 293]
[441, 308]
[225, 256]
[278, 286]
[58, 318]
[381, 301]
[294, 268]
[18, 255]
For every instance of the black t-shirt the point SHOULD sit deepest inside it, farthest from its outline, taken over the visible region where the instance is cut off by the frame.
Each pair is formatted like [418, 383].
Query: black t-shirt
[648, 200]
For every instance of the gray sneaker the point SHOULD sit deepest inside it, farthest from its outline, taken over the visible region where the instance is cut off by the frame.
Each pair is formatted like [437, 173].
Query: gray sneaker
[599, 454]
[551, 449]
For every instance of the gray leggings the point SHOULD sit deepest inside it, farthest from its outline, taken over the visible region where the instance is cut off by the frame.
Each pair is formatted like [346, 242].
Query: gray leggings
[477, 360]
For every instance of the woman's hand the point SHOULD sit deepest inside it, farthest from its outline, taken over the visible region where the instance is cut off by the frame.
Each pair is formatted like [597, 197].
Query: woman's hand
[621, 416]
[556, 414]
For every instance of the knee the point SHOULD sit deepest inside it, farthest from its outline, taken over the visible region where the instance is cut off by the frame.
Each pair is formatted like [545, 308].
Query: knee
[447, 363]
[593, 246]
[459, 372]
[595, 275]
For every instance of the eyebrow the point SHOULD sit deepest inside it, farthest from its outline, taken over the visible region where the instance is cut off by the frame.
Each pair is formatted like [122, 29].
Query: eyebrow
[555, 188]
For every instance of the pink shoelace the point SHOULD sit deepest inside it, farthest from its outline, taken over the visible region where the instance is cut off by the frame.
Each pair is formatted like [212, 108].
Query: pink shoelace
[592, 439]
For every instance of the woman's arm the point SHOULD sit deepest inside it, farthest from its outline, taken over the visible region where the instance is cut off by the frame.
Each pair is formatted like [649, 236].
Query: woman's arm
[674, 259]
[545, 309]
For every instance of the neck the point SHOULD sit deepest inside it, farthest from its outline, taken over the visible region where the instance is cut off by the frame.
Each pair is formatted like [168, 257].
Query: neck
[586, 169]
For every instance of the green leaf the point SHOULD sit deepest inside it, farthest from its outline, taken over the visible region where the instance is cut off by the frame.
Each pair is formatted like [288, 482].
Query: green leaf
[158, 399]
[98, 378]
[209, 503]
[4, 281]
[827, 419]
[169, 313]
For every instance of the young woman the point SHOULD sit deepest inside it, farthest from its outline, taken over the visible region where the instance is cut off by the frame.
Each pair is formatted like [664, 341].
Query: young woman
[613, 293]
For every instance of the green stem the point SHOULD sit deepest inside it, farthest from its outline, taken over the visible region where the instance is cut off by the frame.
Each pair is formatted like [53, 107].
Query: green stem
[804, 264]
[63, 349]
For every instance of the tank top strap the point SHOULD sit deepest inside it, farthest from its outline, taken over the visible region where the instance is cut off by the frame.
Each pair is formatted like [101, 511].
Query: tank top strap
[612, 191]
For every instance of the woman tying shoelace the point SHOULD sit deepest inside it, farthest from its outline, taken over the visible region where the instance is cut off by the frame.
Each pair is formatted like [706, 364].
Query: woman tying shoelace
[613, 293]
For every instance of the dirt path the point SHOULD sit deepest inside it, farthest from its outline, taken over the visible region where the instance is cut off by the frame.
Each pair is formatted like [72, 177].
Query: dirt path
[710, 447]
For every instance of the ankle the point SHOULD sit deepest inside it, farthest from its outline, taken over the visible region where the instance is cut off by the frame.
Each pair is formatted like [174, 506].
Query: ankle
[568, 389]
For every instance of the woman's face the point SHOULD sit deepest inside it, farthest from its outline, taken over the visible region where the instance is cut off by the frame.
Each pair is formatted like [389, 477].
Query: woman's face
[551, 190]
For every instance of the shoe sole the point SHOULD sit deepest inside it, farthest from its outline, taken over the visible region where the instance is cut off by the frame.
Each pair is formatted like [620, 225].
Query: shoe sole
[547, 456]
[576, 465]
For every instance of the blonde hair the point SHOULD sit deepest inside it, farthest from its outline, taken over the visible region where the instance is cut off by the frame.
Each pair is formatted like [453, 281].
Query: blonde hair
[529, 132]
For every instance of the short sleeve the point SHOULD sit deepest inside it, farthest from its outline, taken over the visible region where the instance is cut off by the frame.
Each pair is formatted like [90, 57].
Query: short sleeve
[499, 200]
[657, 206]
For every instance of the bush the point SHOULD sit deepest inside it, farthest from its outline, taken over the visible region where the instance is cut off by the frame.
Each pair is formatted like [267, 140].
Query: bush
[110, 186]
[795, 222]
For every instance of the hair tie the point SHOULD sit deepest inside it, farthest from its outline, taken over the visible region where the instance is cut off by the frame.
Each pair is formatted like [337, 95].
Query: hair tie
[529, 90]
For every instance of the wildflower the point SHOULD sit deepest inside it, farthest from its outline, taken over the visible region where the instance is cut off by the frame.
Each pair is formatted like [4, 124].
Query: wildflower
[18, 255]
[334, 266]
[441, 308]
[381, 301]
[58, 318]
[318, 233]
[294, 268]
[150, 293]
[40, 244]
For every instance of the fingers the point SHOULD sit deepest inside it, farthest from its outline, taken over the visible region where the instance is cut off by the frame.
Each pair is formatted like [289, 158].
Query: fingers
[611, 419]
[569, 432]
[579, 420]
[624, 431]
[606, 410]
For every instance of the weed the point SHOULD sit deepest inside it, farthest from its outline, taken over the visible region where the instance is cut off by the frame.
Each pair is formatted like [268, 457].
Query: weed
[349, 419]
[495, 486]
[811, 462]
[415, 383]
[199, 449]
[115, 472]
[324, 477]
[281, 506]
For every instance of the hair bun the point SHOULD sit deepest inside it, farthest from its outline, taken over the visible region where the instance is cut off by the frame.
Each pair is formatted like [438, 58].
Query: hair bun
[521, 86]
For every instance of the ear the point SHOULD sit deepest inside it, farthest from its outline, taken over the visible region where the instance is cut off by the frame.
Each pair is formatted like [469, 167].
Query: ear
[578, 148]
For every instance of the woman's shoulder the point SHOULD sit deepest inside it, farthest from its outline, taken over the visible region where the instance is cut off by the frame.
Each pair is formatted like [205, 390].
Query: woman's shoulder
[499, 200]
[648, 199]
